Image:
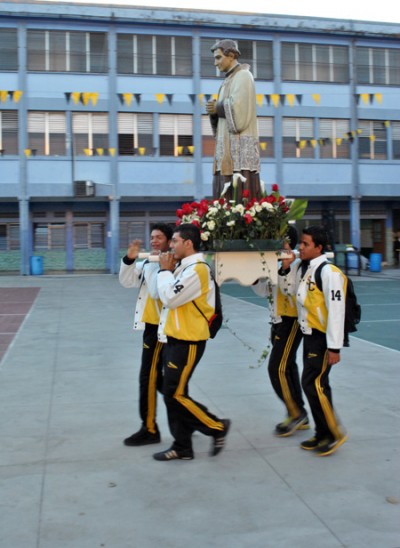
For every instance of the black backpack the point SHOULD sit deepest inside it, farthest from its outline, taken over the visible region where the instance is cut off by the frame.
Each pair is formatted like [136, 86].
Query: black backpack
[353, 309]
[215, 322]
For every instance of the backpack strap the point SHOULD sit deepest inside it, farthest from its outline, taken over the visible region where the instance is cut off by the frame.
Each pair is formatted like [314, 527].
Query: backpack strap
[213, 279]
[317, 275]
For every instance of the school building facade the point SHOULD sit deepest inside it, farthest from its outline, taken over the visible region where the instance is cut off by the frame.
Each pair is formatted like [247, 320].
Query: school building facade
[103, 128]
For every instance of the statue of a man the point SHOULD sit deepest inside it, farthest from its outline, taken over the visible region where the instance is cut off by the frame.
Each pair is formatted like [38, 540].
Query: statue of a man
[234, 122]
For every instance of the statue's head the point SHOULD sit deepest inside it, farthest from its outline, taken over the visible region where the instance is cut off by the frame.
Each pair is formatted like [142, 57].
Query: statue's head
[227, 46]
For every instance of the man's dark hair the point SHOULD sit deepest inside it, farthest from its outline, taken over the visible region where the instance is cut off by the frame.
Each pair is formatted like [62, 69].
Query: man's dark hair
[227, 46]
[191, 232]
[292, 236]
[318, 234]
[164, 228]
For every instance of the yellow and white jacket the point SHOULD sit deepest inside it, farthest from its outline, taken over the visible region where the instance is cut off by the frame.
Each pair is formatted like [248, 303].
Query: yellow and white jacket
[143, 274]
[323, 310]
[180, 318]
[282, 297]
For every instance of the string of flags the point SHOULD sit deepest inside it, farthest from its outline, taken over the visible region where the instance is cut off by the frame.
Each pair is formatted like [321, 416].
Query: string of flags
[13, 95]
[84, 97]
[275, 99]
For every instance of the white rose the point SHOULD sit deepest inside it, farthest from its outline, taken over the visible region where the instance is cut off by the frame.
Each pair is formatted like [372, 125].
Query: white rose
[238, 209]
[258, 208]
[267, 205]
[212, 211]
[231, 223]
[204, 236]
[211, 225]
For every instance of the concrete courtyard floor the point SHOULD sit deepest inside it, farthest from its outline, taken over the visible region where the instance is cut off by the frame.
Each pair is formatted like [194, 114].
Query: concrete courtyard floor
[68, 397]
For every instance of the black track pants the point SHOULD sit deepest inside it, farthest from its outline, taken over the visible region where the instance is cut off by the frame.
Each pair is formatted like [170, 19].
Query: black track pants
[282, 367]
[185, 415]
[151, 377]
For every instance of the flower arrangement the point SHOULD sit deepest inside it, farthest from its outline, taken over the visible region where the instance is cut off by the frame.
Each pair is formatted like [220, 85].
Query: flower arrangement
[221, 220]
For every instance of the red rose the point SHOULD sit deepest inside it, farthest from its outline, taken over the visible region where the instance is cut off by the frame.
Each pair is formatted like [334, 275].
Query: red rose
[178, 222]
[275, 188]
[246, 193]
[187, 209]
[248, 218]
[196, 223]
[179, 213]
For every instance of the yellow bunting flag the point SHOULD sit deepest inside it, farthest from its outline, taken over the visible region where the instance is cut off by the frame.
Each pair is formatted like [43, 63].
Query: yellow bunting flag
[17, 96]
[127, 98]
[372, 138]
[76, 95]
[215, 96]
[28, 152]
[142, 151]
[313, 142]
[3, 95]
[365, 98]
[339, 141]
[160, 97]
[87, 151]
[290, 99]
[359, 131]
[259, 99]
[85, 98]
[111, 151]
[275, 99]
[191, 149]
[378, 97]
[100, 151]
[94, 97]
[263, 146]
[386, 123]
[201, 97]
[303, 144]
[316, 97]
[179, 150]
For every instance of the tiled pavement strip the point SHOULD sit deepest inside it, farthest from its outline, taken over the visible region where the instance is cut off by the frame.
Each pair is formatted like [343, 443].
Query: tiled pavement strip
[68, 396]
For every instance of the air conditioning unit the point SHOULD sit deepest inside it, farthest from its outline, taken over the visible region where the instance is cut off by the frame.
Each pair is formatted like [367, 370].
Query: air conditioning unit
[84, 189]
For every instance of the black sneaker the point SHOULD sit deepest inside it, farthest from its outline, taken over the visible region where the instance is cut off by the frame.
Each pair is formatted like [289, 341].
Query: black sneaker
[219, 442]
[327, 447]
[142, 437]
[311, 444]
[173, 454]
[288, 427]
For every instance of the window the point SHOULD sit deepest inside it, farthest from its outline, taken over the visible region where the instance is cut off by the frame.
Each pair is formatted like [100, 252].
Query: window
[8, 50]
[9, 237]
[333, 141]
[378, 66]
[129, 231]
[135, 134]
[8, 132]
[315, 63]
[49, 236]
[90, 133]
[176, 134]
[266, 134]
[208, 139]
[396, 140]
[89, 235]
[372, 140]
[65, 51]
[256, 53]
[158, 55]
[297, 136]
[47, 133]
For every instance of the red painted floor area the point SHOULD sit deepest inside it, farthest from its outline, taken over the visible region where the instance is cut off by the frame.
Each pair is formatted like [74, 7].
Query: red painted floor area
[15, 303]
